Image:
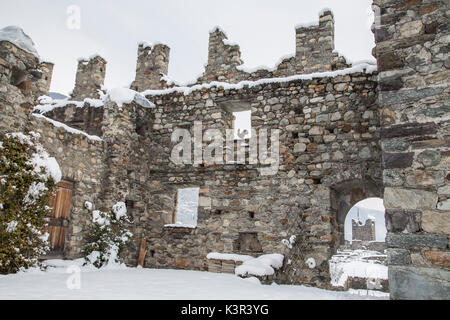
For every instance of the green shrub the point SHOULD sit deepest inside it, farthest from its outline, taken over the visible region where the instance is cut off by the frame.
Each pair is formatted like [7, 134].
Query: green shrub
[26, 186]
[107, 236]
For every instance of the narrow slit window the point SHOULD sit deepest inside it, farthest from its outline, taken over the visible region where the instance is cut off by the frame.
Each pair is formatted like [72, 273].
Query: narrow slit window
[242, 124]
[187, 207]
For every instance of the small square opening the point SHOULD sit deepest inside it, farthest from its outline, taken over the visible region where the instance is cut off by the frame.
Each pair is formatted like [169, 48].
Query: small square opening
[242, 125]
[187, 207]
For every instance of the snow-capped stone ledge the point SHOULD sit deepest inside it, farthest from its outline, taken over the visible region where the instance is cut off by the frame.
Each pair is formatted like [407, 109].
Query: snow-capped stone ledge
[118, 95]
[365, 67]
[16, 36]
[125, 95]
[67, 128]
[47, 104]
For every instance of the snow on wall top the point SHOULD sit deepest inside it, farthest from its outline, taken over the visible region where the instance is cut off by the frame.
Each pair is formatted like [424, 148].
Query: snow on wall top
[315, 22]
[151, 45]
[66, 127]
[363, 67]
[218, 28]
[117, 95]
[125, 95]
[17, 36]
[265, 68]
[93, 56]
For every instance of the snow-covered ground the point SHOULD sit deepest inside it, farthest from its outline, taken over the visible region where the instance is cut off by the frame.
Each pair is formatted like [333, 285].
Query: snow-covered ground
[357, 263]
[153, 284]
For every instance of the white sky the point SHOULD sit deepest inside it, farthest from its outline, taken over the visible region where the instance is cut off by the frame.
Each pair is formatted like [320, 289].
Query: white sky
[243, 122]
[265, 30]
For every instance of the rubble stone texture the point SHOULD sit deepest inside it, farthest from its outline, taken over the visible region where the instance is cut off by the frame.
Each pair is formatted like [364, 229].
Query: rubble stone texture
[363, 232]
[342, 139]
[152, 63]
[412, 41]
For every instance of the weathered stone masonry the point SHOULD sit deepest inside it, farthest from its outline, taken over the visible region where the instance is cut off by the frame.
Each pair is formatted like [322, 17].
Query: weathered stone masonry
[342, 139]
[413, 59]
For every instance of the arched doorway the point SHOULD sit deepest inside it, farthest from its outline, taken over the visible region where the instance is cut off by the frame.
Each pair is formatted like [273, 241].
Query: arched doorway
[346, 195]
[360, 261]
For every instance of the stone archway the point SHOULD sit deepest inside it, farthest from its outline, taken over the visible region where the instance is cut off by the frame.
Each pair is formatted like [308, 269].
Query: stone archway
[345, 195]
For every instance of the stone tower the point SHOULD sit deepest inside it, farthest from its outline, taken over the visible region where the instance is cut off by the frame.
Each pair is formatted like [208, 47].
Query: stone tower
[90, 78]
[46, 79]
[363, 232]
[152, 63]
[223, 57]
[315, 46]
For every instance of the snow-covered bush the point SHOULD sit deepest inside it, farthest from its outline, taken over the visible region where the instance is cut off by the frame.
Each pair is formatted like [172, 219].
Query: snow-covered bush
[27, 180]
[107, 236]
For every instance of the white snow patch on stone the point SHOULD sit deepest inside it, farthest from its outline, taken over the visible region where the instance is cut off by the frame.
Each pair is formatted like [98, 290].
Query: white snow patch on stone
[265, 68]
[218, 28]
[47, 104]
[228, 256]
[125, 95]
[67, 128]
[84, 59]
[18, 37]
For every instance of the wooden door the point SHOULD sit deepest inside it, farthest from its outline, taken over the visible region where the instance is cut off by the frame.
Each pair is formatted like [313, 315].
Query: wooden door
[59, 220]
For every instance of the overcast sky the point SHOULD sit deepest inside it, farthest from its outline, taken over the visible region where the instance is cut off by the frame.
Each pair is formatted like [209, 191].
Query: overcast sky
[264, 29]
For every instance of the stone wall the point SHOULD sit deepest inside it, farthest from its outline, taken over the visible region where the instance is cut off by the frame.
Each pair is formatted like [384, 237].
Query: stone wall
[81, 159]
[46, 79]
[82, 162]
[412, 40]
[87, 118]
[23, 71]
[328, 134]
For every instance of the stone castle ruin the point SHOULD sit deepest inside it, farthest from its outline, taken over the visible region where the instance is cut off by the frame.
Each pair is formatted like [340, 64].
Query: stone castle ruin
[363, 231]
[346, 133]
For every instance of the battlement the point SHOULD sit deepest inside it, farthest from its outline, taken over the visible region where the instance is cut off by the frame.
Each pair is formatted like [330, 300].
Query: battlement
[90, 77]
[315, 45]
[223, 58]
[314, 53]
[152, 63]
